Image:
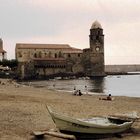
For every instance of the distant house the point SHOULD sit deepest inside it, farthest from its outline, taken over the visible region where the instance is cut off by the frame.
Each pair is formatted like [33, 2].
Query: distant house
[6, 68]
[2, 52]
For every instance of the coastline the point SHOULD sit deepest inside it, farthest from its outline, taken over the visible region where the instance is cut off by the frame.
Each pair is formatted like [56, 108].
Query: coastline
[116, 85]
[23, 109]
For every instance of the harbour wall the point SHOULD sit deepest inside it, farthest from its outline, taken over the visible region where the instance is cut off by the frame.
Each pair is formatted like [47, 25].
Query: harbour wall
[122, 69]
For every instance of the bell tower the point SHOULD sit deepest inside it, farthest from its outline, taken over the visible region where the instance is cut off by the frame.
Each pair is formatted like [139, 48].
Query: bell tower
[96, 38]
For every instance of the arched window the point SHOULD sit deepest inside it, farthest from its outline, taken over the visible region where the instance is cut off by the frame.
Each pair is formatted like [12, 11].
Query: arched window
[40, 54]
[35, 55]
[50, 54]
[97, 37]
[55, 55]
[60, 54]
[19, 54]
[69, 55]
[79, 55]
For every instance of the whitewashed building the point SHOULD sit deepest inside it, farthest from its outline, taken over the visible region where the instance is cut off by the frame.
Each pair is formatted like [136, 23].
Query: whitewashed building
[3, 53]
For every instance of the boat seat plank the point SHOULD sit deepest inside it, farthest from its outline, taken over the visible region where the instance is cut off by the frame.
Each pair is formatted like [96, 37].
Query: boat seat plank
[55, 134]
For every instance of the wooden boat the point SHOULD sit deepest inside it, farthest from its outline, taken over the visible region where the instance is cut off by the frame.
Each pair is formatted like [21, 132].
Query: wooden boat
[96, 125]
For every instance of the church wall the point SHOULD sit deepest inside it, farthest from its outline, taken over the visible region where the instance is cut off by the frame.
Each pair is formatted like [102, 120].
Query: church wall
[73, 56]
[86, 61]
[74, 63]
[27, 55]
[78, 68]
[49, 71]
[25, 70]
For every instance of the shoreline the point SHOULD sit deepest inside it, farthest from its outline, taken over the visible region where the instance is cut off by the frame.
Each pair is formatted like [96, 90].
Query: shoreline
[84, 93]
[105, 86]
[23, 109]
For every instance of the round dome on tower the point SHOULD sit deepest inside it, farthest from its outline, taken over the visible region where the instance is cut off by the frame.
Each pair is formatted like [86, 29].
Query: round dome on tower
[96, 25]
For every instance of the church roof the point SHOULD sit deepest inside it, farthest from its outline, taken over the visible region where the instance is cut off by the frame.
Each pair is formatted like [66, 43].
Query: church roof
[2, 51]
[96, 25]
[65, 47]
[42, 46]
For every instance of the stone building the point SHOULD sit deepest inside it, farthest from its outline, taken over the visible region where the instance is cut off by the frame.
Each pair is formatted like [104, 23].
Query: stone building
[96, 52]
[47, 59]
[2, 52]
[43, 60]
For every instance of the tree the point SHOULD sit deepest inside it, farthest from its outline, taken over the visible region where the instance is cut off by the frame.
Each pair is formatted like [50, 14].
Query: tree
[10, 63]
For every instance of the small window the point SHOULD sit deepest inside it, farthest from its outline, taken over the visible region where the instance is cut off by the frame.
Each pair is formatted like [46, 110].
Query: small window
[69, 55]
[97, 37]
[19, 54]
[55, 55]
[50, 54]
[79, 55]
[60, 54]
[40, 54]
[35, 55]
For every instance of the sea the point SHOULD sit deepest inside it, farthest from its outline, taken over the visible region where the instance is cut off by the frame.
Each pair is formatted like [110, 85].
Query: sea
[116, 85]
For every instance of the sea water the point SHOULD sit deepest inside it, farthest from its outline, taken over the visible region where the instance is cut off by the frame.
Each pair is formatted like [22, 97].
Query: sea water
[119, 85]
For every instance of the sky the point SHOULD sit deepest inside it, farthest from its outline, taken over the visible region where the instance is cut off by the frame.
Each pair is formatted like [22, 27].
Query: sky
[69, 22]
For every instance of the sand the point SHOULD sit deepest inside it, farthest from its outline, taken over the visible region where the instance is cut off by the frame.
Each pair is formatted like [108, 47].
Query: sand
[23, 109]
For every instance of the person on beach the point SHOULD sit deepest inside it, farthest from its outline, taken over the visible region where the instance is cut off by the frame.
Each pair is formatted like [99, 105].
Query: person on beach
[86, 90]
[77, 92]
[109, 98]
[80, 93]
[53, 85]
[74, 88]
[74, 91]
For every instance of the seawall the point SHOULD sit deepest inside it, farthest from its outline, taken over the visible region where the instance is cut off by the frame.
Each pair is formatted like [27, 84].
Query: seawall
[122, 69]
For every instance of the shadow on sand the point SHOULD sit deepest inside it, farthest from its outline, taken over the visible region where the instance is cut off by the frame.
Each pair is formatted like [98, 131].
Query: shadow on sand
[81, 136]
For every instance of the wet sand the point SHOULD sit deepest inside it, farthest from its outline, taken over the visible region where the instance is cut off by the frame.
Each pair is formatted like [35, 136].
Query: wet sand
[23, 109]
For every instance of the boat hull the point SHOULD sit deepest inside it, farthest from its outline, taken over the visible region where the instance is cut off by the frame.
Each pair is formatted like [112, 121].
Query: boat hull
[65, 123]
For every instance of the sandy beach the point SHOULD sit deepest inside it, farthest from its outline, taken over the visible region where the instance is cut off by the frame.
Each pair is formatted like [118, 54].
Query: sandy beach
[23, 109]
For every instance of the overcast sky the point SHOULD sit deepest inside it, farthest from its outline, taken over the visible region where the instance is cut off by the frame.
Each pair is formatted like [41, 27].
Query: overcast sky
[69, 22]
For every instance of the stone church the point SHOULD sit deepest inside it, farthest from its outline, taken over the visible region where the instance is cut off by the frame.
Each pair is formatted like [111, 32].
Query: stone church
[44, 60]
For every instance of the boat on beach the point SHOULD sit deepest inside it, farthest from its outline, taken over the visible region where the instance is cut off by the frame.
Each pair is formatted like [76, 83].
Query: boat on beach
[96, 125]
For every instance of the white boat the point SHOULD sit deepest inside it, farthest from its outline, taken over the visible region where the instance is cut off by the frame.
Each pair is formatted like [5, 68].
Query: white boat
[96, 125]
